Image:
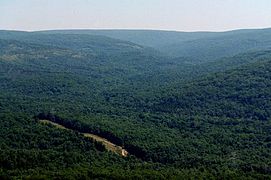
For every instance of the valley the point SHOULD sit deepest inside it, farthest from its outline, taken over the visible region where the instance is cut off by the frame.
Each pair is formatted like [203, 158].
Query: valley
[135, 104]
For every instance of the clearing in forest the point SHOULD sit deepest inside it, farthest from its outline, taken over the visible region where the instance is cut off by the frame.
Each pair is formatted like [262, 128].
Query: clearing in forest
[108, 145]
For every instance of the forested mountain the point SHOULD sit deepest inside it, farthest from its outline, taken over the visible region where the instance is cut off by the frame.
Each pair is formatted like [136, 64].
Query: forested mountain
[198, 46]
[240, 93]
[151, 38]
[94, 44]
[176, 117]
[227, 44]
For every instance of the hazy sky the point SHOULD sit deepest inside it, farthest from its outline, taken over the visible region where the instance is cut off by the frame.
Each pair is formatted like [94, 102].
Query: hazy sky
[182, 15]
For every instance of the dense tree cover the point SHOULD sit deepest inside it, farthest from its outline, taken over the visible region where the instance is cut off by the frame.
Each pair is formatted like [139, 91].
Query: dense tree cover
[174, 123]
[32, 150]
[242, 93]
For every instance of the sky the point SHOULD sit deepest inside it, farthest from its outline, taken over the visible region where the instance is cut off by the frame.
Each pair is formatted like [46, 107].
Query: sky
[179, 15]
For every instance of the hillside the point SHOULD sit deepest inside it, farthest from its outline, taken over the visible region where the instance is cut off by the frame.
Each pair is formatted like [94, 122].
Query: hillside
[150, 38]
[36, 78]
[197, 46]
[94, 44]
[176, 119]
[240, 93]
[226, 44]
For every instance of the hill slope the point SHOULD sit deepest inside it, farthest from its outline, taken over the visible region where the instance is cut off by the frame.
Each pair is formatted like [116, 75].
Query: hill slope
[215, 126]
[243, 92]
[199, 46]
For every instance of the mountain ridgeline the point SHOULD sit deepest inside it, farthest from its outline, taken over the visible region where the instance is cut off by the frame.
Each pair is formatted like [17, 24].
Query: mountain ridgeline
[184, 105]
[198, 46]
